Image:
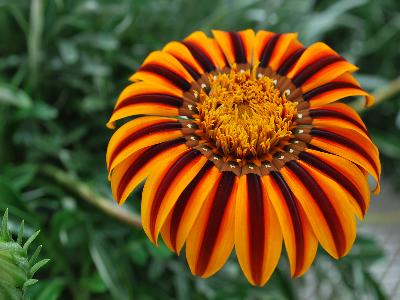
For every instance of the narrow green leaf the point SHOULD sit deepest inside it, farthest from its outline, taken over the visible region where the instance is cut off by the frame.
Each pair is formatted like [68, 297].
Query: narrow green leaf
[38, 265]
[20, 232]
[5, 234]
[30, 240]
[35, 255]
[29, 282]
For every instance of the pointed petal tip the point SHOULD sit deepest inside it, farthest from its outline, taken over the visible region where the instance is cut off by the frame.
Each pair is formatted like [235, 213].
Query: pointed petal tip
[110, 125]
[369, 101]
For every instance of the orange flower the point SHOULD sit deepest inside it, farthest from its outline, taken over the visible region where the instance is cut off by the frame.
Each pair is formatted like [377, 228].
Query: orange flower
[244, 146]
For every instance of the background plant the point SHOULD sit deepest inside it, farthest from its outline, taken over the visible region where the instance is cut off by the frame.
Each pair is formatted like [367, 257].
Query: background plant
[17, 267]
[62, 65]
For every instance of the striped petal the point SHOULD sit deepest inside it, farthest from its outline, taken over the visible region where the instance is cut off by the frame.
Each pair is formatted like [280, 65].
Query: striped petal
[318, 65]
[351, 145]
[211, 239]
[340, 115]
[133, 170]
[300, 241]
[162, 68]
[205, 51]
[329, 212]
[339, 88]
[138, 134]
[274, 50]
[183, 215]
[146, 98]
[162, 189]
[236, 46]
[344, 172]
[183, 54]
[258, 237]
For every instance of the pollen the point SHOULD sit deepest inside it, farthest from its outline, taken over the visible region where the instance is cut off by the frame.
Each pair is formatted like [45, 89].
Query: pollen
[244, 115]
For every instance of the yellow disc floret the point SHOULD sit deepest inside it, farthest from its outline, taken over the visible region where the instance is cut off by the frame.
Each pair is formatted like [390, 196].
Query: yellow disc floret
[245, 116]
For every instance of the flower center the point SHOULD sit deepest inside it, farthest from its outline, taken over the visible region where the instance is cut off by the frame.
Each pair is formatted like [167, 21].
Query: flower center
[245, 117]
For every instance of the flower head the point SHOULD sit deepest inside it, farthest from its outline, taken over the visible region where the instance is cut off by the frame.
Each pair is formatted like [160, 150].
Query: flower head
[17, 268]
[243, 146]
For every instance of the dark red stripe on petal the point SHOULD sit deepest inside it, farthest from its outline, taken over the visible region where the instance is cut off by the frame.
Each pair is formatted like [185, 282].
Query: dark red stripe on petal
[290, 61]
[151, 98]
[171, 76]
[188, 68]
[335, 175]
[185, 159]
[313, 68]
[139, 163]
[326, 207]
[182, 202]
[201, 57]
[330, 136]
[238, 47]
[295, 216]
[220, 202]
[158, 127]
[321, 113]
[268, 50]
[256, 229]
[328, 87]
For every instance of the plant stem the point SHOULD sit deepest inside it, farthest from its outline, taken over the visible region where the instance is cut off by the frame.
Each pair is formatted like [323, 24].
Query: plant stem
[34, 39]
[382, 94]
[82, 190]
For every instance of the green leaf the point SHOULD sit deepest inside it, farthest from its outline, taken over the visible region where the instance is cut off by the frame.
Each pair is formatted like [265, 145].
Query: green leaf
[30, 240]
[109, 269]
[5, 234]
[38, 265]
[21, 232]
[35, 255]
[30, 282]
[9, 95]
[94, 284]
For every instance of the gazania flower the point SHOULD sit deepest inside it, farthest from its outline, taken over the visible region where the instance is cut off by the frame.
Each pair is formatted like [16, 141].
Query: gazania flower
[243, 146]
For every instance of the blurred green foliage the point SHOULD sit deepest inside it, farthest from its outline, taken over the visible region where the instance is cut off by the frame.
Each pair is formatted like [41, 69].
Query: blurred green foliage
[62, 65]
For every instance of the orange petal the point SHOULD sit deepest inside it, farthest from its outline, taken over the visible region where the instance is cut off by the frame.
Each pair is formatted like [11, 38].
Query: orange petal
[162, 189]
[329, 212]
[351, 145]
[182, 217]
[263, 40]
[344, 172]
[162, 68]
[237, 46]
[185, 57]
[300, 242]
[258, 237]
[138, 134]
[205, 51]
[150, 109]
[211, 238]
[146, 98]
[247, 38]
[322, 72]
[272, 50]
[312, 54]
[318, 65]
[338, 115]
[339, 111]
[132, 171]
[332, 92]
[290, 57]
